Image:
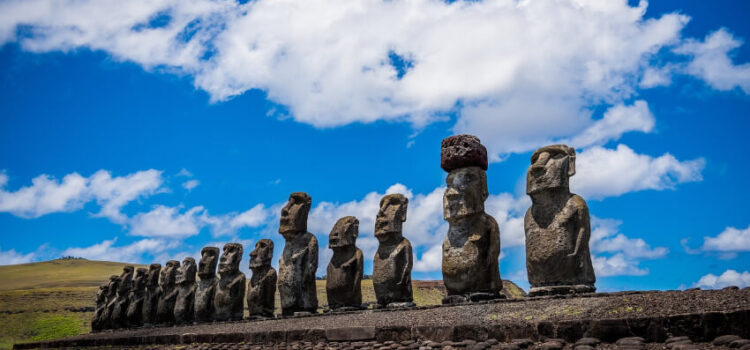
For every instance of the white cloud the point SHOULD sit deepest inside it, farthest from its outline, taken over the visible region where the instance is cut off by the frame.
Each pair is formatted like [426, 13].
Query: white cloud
[657, 76]
[617, 120]
[615, 254]
[230, 223]
[602, 172]
[711, 61]
[616, 265]
[131, 253]
[163, 221]
[731, 240]
[514, 88]
[728, 278]
[48, 195]
[430, 260]
[11, 257]
[190, 184]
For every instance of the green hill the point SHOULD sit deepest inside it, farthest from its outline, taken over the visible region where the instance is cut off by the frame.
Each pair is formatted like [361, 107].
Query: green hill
[58, 273]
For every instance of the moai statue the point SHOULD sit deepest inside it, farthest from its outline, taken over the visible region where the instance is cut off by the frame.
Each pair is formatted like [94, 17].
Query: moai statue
[110, 302]
[184, 304]
[204, 294]
[120, 312]
[299, 260]
[472, 246]
[557, 226]
[261, 288]
[344, 272]
[229, 296]
[101, 304]
[136, 298]
[391, 271]
[151, 295]
[167, 292]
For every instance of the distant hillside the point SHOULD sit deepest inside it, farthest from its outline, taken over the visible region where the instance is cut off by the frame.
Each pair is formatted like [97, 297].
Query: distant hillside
[58, 273]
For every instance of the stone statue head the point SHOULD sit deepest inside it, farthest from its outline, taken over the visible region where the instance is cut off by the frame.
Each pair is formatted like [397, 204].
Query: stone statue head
[551, 167]
[344, 233]
[101, 294]
[207, 265]
[169, 273]
[114, 284]
[466, 193]
[262, 254]
[294, 215]
[391, 216]
[139, 280]
[186, 272]
[126, 280]
[154, 272]
[229, 264]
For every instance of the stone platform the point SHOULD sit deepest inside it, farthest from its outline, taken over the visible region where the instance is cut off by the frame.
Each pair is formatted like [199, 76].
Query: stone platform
[655, 316]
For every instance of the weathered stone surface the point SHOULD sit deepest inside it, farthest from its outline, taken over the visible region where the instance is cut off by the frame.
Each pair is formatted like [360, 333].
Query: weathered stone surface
[299, 260]
[136, 297]
[462, 151]
[344, 272]
[472, 246]
[350, 333]
[101, 305]
[204, 293]
[184, 308]
[230, 290]
[110, 300]
[557, 226]
[167, 292]
[119, 316]
[391, 271]
[261, 288]
[725, 339]
[151, 294]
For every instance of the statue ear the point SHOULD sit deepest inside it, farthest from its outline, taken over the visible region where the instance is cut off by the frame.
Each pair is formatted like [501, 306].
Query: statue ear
[404, 207]
[572, 162]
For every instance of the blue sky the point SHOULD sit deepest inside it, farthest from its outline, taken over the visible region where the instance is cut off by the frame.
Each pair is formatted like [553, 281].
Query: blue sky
[143, 131]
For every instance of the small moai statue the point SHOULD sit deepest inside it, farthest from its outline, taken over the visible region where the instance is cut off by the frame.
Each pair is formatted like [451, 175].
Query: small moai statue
[136, 297]
[184, 304]
[299, 260]
[391, 270]
[101, 305]
[472, 246]
[167, 293]
[120, 312]
[557, 226]
[261, 288]
[344, 272]
[229, 295]
[204, 294]
[111, 301]
[151, 295]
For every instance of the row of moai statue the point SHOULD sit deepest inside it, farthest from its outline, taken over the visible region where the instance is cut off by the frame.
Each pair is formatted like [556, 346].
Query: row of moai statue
[557, 254]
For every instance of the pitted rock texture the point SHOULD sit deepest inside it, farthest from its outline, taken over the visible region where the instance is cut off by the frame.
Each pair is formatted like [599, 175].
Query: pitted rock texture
[393, 261]
[461, 151]
[261, 288]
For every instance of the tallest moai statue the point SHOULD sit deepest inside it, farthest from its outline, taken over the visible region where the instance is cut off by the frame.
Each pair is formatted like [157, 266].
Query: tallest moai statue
[299, 260]
[472, 246]
[557, 226]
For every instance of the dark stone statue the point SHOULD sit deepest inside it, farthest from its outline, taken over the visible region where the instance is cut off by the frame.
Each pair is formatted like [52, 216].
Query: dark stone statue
[167, 292]
[184, 304]
[111, 301]
[119, 317]
[151, 295]
[472, 246]
[136, 297]
[391, 271]
[261, 289]
[204, 294]
[344, 272]
[229, 295]
[101, 305]
[299, 260]
[557, 226]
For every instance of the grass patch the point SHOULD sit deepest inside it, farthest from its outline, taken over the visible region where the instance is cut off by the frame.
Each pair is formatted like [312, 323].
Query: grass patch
[54, 326]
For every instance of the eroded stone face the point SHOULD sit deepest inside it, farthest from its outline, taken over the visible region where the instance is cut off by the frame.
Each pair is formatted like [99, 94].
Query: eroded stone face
[230, 289]
[167, 292]
[472, 246]
[391, 272]
[136, 297]
[111, 300]
[101, 304]
[120, 310]
[557, 226]
[151, 294]
[184, 304]
[344, 272]
[261, 289]
[299, 260]
[204, 294]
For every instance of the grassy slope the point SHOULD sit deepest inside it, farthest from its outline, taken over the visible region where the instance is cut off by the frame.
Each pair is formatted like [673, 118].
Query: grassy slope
[52, 299]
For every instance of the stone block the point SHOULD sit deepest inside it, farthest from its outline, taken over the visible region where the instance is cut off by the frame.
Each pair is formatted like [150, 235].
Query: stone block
[350, 333]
